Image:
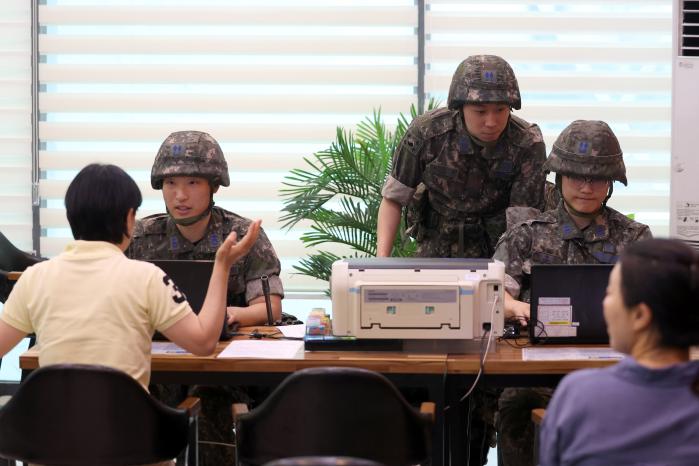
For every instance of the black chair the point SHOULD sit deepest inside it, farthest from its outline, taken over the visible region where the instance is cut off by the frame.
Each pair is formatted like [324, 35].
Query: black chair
[322, 461]
[537, 418]
[12, 260]
[334, 411]
[78, 414]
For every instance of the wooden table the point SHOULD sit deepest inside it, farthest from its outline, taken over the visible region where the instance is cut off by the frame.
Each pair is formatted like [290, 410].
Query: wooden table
[444, 377]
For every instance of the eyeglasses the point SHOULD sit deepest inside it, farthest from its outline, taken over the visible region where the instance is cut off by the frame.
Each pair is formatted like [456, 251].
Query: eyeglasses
[595, 183]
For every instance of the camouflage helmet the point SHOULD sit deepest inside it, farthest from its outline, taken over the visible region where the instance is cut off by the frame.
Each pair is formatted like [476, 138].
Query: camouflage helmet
[484, 79]
[587, 148]
[190, 153]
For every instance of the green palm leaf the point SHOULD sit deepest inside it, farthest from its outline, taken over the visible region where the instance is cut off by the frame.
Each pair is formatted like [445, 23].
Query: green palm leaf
[339, 192]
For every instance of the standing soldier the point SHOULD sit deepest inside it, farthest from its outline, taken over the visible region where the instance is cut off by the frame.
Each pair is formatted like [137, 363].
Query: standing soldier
[189, 169]
[457, 169]
[587, 159]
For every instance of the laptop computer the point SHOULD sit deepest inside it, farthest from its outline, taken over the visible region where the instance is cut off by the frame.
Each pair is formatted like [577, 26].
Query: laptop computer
[566, 303]
[192, 279]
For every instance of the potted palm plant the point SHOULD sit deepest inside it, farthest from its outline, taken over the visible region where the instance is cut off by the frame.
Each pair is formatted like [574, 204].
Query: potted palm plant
[339, 192]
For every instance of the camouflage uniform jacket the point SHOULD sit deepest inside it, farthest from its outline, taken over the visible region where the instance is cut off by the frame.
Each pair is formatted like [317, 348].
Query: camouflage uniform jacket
[457, 191]
[157, 237]
[553, 238]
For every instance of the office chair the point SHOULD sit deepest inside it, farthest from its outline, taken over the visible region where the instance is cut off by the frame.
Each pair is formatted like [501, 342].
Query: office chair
[323, 461]
[334, 411]
[12, 260]
[79, 414]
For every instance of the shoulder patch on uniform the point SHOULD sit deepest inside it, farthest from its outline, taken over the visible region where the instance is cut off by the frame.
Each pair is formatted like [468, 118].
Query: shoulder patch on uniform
[151, 225]
[625, 222]
[436, 122]
[544, 217]
[525, 133]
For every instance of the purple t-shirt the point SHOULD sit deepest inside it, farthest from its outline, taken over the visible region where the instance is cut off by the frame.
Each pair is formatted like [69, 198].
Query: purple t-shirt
[622, 415]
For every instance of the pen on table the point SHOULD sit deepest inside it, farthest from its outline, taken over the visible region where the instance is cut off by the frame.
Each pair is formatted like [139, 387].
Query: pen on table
[268, 302]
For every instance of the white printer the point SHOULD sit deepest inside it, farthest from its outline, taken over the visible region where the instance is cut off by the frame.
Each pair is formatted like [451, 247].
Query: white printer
[422, 300]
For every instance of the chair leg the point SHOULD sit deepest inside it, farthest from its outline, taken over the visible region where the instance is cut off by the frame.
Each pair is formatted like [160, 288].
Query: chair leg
[193, 447]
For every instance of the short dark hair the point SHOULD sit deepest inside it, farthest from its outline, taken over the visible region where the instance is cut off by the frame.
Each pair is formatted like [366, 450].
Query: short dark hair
[664, 274]
[98, 201]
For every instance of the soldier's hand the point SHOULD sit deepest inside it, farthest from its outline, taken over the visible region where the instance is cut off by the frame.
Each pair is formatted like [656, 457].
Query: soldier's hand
[516, 310]
[232, 250]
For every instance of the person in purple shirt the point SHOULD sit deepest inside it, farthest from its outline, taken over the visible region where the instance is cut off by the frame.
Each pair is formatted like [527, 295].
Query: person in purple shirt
[645, 409]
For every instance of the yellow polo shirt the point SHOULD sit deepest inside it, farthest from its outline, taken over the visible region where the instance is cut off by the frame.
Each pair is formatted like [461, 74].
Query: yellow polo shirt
[93, 305]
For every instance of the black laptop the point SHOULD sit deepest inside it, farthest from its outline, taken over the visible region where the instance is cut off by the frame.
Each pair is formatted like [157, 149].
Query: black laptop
[192, 279]
[566, 303]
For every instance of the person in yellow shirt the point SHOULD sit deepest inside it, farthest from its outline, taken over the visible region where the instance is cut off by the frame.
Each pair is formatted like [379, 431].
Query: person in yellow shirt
[93, 305]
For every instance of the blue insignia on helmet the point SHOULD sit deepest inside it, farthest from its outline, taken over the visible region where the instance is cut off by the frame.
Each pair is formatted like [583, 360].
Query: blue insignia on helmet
[583, 147]
[176, 149]
[489, 76]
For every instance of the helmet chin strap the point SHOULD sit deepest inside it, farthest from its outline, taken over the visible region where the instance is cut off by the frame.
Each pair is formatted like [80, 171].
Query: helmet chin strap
[187, 221]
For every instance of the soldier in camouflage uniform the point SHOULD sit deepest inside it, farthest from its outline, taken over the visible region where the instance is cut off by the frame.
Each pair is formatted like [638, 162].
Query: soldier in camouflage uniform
[458, 168]
[587, 159]
[189, 168]
[184, 233]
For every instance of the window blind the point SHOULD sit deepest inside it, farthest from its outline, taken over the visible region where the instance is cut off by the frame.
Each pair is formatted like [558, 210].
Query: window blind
[15, 122]
[270, 80]
[592, 59]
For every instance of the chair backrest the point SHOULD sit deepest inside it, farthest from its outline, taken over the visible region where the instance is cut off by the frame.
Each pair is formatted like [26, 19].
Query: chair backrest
[334, 411]
[322, 461]
[85, 415]
[12, 260]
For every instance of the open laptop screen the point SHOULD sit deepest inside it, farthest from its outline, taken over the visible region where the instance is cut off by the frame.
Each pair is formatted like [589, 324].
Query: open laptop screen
[566, 303]
[190, 276]
[192, 279]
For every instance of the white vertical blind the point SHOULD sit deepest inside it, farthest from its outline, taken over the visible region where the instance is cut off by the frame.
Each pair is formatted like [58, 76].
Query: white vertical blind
[576, 59]
[15, 122]
[270, 80]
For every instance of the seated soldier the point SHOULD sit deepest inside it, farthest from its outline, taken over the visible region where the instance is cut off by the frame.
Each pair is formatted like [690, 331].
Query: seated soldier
[587, 159]
[645, 409]
[79, 302]
[189, 168]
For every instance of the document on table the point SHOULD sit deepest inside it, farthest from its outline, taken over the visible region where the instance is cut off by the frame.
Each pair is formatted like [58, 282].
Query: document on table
[293, 331]
[263, 349]
[166, 347]
[569, 354]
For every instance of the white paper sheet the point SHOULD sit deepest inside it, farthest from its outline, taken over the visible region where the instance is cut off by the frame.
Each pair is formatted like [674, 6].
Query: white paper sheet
[569, 354]
[293, 331]
[263, 349]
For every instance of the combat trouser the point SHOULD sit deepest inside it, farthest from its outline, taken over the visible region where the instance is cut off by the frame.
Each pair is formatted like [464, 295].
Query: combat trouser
[514, 424]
